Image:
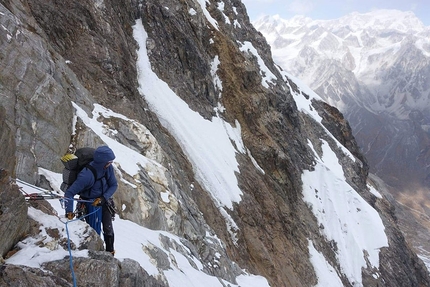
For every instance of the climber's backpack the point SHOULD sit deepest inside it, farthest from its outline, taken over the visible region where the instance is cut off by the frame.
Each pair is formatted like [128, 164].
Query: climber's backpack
[74, 163]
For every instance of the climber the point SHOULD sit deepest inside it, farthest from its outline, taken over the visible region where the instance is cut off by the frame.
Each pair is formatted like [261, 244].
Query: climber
[97, 193]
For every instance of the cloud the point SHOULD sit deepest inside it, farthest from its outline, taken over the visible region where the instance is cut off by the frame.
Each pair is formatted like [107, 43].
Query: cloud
[301, 6]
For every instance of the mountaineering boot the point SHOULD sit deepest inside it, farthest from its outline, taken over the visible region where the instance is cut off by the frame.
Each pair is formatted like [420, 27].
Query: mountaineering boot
[109, 239]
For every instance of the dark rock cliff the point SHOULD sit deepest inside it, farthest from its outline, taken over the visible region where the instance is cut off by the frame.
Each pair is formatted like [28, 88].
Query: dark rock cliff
[55, 52]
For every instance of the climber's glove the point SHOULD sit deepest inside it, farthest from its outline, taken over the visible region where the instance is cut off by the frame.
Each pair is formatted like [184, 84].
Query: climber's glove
[99, 201]
[70, 215]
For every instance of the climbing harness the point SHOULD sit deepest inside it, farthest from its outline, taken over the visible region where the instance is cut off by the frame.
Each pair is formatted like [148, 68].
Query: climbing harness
[81, 210]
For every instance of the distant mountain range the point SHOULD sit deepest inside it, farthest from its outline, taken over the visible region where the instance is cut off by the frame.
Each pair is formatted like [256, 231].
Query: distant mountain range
[375, 68]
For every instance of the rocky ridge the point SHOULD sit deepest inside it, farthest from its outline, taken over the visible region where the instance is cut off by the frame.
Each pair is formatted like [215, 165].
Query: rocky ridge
[84, 52]
[373, 67]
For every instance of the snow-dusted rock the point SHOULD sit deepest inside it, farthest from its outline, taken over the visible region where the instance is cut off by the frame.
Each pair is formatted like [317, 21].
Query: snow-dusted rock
[213, 146]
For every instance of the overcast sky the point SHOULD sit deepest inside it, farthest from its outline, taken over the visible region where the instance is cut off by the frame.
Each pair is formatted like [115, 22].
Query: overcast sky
[332, 9]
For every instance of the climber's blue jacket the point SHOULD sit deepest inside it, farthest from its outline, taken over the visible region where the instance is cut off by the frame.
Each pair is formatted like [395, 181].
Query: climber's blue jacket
[87, 186]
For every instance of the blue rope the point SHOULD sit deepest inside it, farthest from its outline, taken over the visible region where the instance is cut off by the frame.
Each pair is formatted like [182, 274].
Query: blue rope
[68, 236]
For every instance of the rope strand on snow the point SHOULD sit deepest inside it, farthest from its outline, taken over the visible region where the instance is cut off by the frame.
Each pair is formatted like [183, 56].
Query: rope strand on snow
[68, 238]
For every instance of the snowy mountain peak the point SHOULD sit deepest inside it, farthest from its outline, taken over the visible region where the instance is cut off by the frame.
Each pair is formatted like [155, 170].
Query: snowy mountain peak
[369, 45]
[402, 21]
[381, 19]
[375, 29]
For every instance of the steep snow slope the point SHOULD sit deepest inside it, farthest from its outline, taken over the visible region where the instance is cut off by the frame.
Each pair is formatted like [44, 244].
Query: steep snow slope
[216, 139]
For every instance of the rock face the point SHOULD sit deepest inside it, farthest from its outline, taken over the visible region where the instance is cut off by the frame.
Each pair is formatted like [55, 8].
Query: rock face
[84, 52]
[13, 214]
[37, 126]
[106, 271]
[7, 137]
